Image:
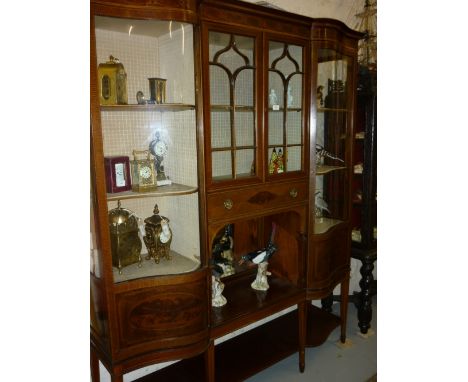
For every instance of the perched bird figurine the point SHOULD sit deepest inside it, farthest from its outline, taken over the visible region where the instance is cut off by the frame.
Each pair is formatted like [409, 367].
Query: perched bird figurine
[221, 252]
[261, 258]
[260, 255]
[321, 153]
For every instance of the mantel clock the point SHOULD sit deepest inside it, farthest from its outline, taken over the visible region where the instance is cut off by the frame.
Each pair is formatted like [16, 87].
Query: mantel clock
[143, 172]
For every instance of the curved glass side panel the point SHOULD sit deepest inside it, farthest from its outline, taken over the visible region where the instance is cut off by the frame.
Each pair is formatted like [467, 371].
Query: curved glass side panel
[332, 158]
[149, 141]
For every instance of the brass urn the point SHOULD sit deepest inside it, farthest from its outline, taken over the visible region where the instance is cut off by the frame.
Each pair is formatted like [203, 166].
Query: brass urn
[158, 236]
[125, 242]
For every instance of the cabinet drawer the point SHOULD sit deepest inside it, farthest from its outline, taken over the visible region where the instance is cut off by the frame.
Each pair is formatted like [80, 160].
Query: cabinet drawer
[230, 204]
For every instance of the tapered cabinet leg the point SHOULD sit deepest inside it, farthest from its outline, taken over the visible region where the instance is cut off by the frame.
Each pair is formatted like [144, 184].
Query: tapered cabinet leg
[209, 362]
[302, 318]
[344, 308]
[94, 366]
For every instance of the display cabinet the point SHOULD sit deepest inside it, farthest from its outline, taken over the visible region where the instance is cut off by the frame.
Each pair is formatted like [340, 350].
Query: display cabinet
[364, 194]
[221, 184]
[334, 66]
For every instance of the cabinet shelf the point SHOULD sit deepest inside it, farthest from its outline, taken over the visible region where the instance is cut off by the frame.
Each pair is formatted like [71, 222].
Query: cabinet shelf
[173, 189]
[229, 107]
[177, 265]
[323, 225]
[287, 109]
[243, 301]
[149, 107]
[324, 109]
[324, 169]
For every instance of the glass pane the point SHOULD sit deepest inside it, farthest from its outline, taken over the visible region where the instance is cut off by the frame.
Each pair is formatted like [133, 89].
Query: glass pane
[244, 163]
[244, 90]
[245, 128]
[152, 63]
[220, 129]
[294, 92]
[219, 86]
[294, 161]
[275, 128]
[294, 127]
[221, 165]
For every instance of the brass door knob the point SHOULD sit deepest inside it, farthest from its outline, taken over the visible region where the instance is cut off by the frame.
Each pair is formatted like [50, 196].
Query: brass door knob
[293, 192]
[228, 203]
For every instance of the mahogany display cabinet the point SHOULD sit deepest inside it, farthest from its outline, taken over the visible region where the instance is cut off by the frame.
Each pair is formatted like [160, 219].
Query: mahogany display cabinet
[236, 121]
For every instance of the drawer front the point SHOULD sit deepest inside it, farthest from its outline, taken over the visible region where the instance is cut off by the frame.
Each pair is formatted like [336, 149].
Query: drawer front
[251, 201]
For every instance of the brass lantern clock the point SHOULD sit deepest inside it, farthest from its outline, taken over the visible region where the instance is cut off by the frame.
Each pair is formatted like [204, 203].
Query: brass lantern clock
[125, 242]
[158, 236]
[112, 82]
[143, 172]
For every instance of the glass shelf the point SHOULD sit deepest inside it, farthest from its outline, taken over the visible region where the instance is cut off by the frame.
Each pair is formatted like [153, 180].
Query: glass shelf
[324, 169]
[287, 109]
[228, 108]
[328, 109]
[322, 225]
[149, 107]
[173, 189]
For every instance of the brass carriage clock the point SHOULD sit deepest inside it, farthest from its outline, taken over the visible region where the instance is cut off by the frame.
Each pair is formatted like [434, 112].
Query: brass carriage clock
[143, 172]
[125, 242]
[158, 236]
[112, 82]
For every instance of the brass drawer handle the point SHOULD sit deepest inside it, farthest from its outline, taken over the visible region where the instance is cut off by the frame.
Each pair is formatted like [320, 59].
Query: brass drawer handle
[293, 192]
[228, 203]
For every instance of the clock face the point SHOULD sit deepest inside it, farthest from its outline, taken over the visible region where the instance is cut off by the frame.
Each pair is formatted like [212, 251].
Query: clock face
[165, 234]
[160, 148]
[145, 172]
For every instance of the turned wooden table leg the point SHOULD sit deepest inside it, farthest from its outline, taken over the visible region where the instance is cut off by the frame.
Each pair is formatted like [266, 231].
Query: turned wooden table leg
[302, 318]
[210, 362]
[95, 377]
[365, 296]
[344, 308]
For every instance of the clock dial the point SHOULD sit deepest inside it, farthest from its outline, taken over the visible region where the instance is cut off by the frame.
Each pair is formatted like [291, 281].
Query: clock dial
[145, 172]
[160, 148]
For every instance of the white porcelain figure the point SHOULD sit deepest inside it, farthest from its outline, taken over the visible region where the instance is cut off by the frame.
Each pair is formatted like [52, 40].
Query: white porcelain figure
[261, 281]
[290, 97]
[217, 287]
[273, 99]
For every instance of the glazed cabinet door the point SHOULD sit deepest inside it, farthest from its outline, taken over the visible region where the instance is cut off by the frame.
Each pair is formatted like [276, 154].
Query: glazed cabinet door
[232, 119]
[286, 105]
[147, 146]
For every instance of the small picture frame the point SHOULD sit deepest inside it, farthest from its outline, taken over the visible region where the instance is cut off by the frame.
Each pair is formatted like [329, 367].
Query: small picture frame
[117, 174]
